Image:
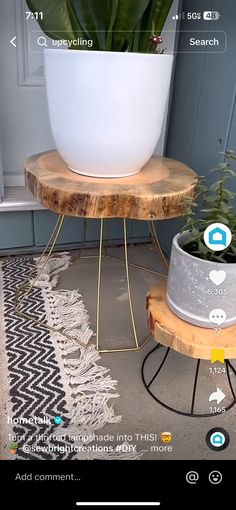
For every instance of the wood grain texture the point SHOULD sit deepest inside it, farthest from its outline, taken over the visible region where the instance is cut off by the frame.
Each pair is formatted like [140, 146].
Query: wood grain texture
[181, 336]
[156, 192]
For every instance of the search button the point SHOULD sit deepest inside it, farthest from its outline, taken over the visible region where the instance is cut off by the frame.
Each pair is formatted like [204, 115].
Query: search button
[42, 41]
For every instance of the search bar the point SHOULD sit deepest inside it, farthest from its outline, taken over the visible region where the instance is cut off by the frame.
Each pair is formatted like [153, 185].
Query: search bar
[38, 41]
[190, 41]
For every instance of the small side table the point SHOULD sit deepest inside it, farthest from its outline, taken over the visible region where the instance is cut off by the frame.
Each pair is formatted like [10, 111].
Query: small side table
[193, 341]
[155, 193]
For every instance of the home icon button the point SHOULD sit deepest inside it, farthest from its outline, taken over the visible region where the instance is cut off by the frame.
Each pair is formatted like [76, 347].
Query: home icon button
[217, 439]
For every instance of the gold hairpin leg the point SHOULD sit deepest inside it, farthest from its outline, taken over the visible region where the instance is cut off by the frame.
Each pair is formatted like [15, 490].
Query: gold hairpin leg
[24, 290]
[156, 242]
[136, 266]
[137, 346]
[99, 284]
[42, 262]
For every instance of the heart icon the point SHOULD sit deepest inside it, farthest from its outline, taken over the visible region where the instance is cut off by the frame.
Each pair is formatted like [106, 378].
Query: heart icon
[217, 277]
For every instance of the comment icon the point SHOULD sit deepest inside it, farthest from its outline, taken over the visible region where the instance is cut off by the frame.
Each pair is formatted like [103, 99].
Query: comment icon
[217, 316]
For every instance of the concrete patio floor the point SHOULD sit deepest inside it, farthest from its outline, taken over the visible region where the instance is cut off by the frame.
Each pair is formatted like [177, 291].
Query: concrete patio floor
[141, 415]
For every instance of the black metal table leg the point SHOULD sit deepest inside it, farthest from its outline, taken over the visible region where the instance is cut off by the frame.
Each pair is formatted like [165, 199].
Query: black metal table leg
[192, 414]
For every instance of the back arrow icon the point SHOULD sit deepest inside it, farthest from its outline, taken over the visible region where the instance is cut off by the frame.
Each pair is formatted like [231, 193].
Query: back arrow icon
[217, 395]
[12, 41]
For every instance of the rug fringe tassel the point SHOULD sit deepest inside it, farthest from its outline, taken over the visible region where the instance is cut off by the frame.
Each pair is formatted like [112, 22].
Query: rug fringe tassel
[49, 277]
[68, 312]
[91, 389]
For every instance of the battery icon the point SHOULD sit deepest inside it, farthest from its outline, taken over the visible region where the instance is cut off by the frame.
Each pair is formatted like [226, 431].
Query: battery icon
[211, 15]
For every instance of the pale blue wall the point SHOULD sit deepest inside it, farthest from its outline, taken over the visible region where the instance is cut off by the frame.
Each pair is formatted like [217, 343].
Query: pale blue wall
[203, 109]
[31, 230]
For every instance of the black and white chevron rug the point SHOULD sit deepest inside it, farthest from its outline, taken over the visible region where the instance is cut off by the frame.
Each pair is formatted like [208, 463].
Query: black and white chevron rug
[54, 396]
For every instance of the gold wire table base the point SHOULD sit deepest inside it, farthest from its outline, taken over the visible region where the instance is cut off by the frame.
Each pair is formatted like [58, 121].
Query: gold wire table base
[24, 290]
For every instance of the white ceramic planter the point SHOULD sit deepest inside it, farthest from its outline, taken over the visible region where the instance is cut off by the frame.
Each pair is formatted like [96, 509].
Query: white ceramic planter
[192, 295]
[106, 108]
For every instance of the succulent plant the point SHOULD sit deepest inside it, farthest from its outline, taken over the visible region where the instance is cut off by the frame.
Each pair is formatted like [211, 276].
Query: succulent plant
[216, 206]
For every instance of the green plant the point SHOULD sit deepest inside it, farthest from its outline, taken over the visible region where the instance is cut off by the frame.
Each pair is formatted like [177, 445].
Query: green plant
[13, 446]
[216, 206]
[112, 25]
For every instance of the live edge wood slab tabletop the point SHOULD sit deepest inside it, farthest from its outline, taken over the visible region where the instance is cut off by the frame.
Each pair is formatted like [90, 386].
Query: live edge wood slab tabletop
[156, 192]
[193, 341]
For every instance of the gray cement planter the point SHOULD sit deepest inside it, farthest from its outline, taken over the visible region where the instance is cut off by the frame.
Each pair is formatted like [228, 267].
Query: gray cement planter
[191, 293]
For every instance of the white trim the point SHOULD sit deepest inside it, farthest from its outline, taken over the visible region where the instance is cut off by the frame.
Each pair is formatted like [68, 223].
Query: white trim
[18, 198]
[26, 78]
[13, 180]
[1, 178]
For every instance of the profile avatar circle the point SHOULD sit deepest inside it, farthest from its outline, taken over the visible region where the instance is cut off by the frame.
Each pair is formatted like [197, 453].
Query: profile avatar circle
[217, 439]
[217, 236]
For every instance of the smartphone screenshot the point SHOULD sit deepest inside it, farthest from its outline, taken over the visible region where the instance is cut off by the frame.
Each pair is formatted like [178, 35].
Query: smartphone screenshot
[117, 253]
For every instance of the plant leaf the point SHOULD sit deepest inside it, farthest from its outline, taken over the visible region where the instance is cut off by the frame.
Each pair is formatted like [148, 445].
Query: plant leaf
[94, 18]
[153, 21]
[221, 219]
[215, 186]
[113, 7]
[212, 210]
[210, 199]
[143, 30]
[223, 166]
[230, 173]
[128, 14]
[225, 208]
[228, 193]
[59, 20]
[162, 8]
